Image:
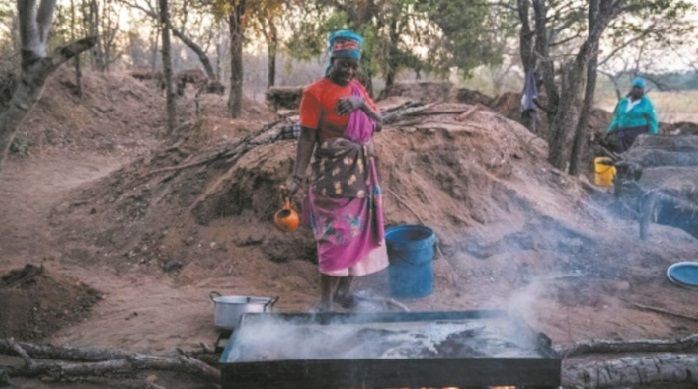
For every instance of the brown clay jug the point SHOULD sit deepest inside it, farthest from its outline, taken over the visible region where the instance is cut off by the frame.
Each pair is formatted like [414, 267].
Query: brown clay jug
[287, 219]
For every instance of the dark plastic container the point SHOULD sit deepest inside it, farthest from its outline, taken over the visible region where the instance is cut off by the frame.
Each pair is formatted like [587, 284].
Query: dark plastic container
[411, 252]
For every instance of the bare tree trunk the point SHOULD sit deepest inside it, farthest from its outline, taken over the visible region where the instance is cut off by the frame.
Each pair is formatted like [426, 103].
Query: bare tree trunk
[93, 27]
[237, 36]
[167, 67]
[565, 119]
[16, 40]
[526, 36]
[35, 71]
[391, 66]
[579, 147]
[545, 64]
[219, 53]
[109, 27]
[581, 132]
[78, 72]
[154, 43]
[271, 53]
[203, 58]
[528, 58]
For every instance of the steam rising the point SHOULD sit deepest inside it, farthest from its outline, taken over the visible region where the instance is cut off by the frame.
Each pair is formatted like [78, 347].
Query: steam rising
[276, 339]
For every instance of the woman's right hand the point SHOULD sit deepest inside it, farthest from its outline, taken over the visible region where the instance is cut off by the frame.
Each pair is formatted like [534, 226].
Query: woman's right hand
[347, 105]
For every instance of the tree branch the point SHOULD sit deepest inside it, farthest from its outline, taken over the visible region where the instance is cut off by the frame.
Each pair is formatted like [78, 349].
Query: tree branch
[627, 43]
[566, 40]
[682, 345]
[65, 53]
[23, 354]
[67, 353]
[179, 33]
[101, 362]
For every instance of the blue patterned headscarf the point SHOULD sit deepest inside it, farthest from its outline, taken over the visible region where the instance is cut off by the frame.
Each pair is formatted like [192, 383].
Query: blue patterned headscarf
[345, 44]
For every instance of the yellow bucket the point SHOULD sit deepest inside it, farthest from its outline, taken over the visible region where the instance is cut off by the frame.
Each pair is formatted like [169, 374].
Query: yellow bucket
[603, 173]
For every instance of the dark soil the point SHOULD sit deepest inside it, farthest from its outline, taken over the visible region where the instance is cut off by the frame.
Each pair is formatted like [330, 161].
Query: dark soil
[35, 303]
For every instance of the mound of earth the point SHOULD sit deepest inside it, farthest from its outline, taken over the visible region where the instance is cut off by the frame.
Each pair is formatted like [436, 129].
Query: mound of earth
[35, 303]
[507, 104]
[115, 114]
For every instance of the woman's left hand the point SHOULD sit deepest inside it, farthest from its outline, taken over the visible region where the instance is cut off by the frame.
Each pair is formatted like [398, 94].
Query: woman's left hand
[348, 105]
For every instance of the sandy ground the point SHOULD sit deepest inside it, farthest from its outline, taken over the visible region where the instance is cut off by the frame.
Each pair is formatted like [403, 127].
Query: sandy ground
[139, 312]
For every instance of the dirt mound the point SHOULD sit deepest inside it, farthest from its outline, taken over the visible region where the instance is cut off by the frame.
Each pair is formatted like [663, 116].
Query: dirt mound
[461, 168]
[119, 114]
[116, 114]
[507, 104]
[34, 303]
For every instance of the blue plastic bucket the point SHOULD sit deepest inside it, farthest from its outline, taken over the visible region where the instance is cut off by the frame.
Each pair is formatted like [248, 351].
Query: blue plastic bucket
[410, 251]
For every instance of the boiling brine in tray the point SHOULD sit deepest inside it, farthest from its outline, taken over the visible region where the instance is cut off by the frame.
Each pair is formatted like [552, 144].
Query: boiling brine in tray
[481, 338]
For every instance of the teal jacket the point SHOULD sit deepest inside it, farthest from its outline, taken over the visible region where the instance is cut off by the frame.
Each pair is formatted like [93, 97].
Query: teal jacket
[642, 114]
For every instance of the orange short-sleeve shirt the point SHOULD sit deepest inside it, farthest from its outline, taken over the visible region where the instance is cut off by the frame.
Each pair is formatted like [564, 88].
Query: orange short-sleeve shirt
[318, 103]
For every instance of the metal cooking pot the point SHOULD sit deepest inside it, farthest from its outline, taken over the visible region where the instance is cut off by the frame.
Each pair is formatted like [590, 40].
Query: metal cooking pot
[228, 310]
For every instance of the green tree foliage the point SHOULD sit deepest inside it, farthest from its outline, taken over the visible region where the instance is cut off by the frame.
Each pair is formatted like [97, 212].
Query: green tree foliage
[466, 35]
[433, 35]
[313, 24]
